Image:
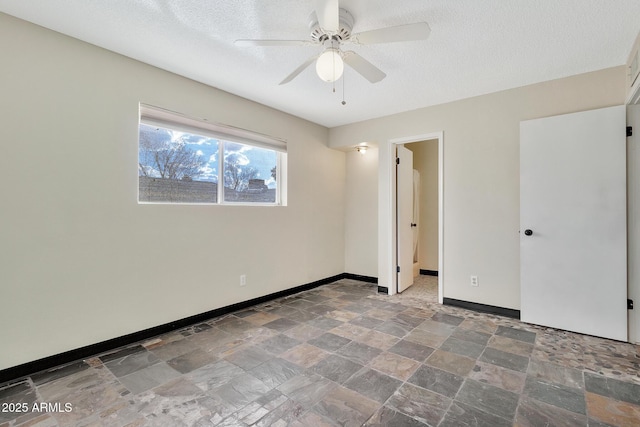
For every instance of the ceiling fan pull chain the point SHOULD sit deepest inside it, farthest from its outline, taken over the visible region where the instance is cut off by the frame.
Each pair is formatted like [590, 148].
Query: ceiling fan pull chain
[343, 101]
[333, 57]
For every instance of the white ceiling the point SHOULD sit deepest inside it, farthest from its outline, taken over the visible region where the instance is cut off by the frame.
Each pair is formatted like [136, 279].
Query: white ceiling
[475, 47]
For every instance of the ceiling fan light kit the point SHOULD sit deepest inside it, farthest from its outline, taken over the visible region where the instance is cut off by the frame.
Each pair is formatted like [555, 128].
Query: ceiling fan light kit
[332, 26]
[329, 65]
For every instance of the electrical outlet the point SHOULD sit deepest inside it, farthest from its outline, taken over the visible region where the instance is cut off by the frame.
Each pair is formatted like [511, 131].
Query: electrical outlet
[243, 279]
[474, 280]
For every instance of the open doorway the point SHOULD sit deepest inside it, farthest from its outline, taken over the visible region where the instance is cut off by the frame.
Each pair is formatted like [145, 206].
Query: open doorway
[389, 258]
[424, 216]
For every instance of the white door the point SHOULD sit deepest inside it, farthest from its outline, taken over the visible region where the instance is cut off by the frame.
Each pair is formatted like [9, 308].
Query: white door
[573, 261]
[404, 218]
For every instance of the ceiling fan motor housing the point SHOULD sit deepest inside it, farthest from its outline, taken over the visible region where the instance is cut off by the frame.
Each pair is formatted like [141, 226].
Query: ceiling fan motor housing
[344, 30]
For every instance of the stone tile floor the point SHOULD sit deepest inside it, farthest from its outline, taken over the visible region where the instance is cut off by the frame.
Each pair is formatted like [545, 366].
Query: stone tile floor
[341, 355]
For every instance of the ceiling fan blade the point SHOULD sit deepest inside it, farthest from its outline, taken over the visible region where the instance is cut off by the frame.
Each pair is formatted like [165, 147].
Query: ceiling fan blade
[328, 15]
[363, 67]
[298, 70]
[245, 42]
[400, 33]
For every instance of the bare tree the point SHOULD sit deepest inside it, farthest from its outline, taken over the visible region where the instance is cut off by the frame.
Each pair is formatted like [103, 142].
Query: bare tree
[169, 159]
[178, 162]
[237, 176]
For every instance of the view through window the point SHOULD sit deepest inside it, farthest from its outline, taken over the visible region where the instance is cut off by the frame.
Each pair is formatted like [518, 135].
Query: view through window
[180, 163]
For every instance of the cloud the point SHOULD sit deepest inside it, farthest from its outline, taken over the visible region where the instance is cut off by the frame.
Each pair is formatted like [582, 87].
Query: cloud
[236, 147]
[236, 157]
[271, 183]
[152, 138]
[149, 171]
[198, 140]
[176, 137]
[207, 173]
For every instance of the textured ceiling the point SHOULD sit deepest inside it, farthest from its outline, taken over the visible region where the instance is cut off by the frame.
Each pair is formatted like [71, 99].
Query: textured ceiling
[475, 46]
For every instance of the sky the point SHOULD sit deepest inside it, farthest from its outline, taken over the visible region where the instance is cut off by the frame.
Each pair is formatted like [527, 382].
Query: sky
[207, 148]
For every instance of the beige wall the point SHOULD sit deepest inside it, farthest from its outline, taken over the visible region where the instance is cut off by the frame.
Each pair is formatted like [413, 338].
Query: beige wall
[361, 214]
[425, 161]
[80, 260]
[481, 175]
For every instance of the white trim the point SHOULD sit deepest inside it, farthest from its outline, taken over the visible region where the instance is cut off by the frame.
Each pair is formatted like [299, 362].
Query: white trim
[221, 173]
[386, 208]
[281, 179]
[634, 94]
[441, 217]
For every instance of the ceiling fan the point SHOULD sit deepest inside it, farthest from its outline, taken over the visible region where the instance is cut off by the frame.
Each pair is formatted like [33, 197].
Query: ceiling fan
[331, 27]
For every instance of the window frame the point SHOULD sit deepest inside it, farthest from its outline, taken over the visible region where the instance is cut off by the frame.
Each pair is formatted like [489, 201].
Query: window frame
[166, 119]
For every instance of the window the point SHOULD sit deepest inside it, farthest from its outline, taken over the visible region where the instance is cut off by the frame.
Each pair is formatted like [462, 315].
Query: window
[185, 160]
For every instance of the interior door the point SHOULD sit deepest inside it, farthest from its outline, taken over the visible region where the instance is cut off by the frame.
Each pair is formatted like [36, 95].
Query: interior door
[404, 217]
[573, 261]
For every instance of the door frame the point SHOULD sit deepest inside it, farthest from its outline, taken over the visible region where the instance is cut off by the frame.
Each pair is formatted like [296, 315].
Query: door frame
[633, 225]
[387, 236]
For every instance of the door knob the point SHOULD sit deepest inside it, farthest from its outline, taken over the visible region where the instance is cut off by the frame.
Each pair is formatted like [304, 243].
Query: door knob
[528, 232]
[414, 225]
